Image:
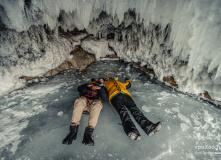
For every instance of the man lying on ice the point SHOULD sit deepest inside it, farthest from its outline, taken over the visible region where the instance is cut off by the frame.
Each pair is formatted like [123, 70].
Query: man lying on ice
[119, 97]
[88, 101]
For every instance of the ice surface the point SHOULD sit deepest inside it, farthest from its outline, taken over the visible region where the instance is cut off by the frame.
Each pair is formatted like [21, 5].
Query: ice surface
[35, 120]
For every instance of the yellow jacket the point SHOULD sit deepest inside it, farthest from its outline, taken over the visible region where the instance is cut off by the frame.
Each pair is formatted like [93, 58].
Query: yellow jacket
[114, 87]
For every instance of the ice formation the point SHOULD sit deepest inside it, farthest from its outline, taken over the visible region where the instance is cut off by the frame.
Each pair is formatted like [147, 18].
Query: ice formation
[179, 39]
[35, 120]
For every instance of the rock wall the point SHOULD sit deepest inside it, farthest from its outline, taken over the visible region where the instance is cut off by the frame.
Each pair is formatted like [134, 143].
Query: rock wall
[80, 60]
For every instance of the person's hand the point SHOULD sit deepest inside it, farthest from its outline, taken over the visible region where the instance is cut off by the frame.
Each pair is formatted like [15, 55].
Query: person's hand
[90, 85]
[95, 87]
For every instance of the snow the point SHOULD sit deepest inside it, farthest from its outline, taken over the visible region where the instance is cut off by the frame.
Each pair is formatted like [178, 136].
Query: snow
[35, 120]
[175, 38]
[184, 127]
[15, 118]
[99, 48]
[60, 113]
[146, 109]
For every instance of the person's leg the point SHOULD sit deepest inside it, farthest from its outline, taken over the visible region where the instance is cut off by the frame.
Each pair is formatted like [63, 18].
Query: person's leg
[79, 106]
[127, 123]
[144, 123]
[94, 109]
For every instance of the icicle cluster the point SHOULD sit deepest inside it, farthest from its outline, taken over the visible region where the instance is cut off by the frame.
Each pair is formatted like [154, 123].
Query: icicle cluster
[179, 39]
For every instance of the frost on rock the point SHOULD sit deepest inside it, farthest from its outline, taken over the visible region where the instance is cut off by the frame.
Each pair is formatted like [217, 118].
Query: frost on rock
[178, 39]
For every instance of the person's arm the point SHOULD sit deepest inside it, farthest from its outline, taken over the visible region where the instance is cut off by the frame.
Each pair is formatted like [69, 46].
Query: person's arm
[127, 83]
[103, 94]
[82, 89]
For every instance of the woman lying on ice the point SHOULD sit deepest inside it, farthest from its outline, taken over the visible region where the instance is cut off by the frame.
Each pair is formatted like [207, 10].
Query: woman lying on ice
[88, 101]
[119, 97]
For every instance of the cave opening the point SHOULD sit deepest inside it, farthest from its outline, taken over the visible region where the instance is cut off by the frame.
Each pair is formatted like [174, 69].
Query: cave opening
[168, 50]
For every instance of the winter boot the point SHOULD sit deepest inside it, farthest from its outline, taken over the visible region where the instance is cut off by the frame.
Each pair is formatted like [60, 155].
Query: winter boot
[88, 140]
[131, 130]
[134, 136]
[155, 128]
[72, 135]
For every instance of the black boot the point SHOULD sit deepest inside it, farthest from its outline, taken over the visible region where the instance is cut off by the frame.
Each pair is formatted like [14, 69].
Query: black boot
[131, 130]
[155, 128]
[88, 140]
[72, 135]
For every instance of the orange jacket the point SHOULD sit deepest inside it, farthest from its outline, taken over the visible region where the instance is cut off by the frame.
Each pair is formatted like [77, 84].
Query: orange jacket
[114, 86]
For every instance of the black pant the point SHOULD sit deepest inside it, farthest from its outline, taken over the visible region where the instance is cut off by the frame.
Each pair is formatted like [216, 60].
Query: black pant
[119, 102]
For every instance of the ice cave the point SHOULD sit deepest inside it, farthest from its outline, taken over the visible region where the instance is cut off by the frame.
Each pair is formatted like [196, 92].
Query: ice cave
[169, 49]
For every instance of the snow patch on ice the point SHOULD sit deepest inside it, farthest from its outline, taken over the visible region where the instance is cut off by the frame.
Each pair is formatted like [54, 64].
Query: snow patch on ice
[184, 118]
[196, 122]
[176, 109]
[165, 94]
[184, 126]
[168, 111]
[190, 156]
[207, 117]
[110, 155]
[14, 120]
[163, 145]
[47, 89]
[146, 84]
[181, 116]
[146, 109]
[168, 127]
[60, 113]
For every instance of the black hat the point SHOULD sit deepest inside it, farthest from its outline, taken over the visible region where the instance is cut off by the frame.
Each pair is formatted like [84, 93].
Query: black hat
[92, 79]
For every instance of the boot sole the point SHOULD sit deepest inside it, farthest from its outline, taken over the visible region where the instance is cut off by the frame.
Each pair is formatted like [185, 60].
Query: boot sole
[158, 127]
[68, 142]
[133, 136]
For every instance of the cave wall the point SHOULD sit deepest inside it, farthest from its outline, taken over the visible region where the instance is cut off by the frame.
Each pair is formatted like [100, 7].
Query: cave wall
[175, 39]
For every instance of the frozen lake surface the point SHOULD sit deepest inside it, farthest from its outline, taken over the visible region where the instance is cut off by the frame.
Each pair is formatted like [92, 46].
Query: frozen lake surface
[35, 120]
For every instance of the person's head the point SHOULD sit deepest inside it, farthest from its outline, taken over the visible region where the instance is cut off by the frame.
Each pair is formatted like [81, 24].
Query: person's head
[101, 80]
